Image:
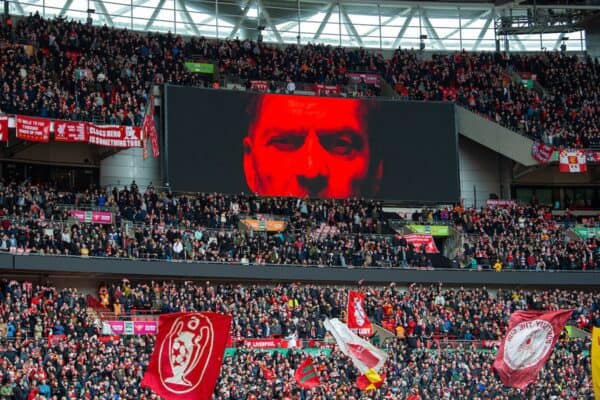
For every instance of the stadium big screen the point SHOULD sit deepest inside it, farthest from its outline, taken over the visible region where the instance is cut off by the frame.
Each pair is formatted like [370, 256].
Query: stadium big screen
[328, 147]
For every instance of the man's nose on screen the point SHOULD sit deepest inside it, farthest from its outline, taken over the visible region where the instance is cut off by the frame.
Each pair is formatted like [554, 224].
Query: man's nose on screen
[314, 176]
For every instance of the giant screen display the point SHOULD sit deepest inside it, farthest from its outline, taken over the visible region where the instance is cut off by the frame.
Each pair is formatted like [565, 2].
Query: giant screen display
[321, 147]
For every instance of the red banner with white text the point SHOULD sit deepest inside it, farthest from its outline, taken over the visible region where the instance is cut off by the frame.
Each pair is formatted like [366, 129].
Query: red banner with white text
[321, 89]
[370, 79]
[32, 129]
[419, 239]
[528, 343]
[3, 128]
[114, 135]
[259, 86]
[70, 131]
[357, 319]
[272, 343]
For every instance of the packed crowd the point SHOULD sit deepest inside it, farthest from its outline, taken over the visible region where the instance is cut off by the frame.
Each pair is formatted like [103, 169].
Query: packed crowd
[526, 238]
[564, 116]
[569, 112]
[78, 71]
[82, 72]
[153, 225]
[51, 344]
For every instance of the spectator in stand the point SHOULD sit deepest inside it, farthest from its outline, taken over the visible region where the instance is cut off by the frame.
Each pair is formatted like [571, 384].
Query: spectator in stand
[426, 363]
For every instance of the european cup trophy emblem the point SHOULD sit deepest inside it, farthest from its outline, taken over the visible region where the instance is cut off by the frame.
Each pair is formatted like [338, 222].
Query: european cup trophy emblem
[187, 344]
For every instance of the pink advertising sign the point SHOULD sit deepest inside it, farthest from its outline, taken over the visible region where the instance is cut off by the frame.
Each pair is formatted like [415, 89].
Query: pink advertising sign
[94, 217]
[129, 327]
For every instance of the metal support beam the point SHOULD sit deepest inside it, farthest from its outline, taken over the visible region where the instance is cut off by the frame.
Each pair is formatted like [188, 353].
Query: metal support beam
[269, 21]
[402, 31]
[160, 5]
[467, 24]
[18, 6]
[121, 11]
[105, 14]
[239, 22]
[188, 17]
[517, 41]
[387, 21]
[431, 31]
[557, 43]
[350, 28]
[482, 33]
[65, 8]
[325, 20]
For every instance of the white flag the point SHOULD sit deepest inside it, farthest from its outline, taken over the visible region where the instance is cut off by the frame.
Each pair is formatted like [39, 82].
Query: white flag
[363, 354]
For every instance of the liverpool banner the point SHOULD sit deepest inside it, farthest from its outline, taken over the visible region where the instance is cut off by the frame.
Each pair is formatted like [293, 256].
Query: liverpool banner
[572, 161]
[596, 361]
[419, 239]
[363, 354]
[70, 131]
[306, 375]
[114, 135]
[357, 318]
[529, 340]
[259, 86]
[32, 129]
[322, 89]
[3, 128]
[187, 355]
[542, 152]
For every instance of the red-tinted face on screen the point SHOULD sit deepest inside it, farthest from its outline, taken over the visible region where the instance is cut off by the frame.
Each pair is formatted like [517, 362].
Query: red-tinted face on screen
[307, 146]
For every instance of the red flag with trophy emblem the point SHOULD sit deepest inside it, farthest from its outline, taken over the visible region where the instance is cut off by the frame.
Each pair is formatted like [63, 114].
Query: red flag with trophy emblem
[187, 355]
[529, 340]
[357, 319]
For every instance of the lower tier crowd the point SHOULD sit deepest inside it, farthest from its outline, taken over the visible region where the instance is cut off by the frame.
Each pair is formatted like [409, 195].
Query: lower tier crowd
[154, 225]
[441, 344]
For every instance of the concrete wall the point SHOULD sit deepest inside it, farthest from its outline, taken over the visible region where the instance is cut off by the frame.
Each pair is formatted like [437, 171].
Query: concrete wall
[111, 268]
[126, 165]
[495, 137]
[74, 154]
[482, 171]
[592, 39]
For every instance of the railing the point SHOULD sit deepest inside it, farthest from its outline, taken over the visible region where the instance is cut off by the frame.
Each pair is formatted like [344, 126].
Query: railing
[117, 259]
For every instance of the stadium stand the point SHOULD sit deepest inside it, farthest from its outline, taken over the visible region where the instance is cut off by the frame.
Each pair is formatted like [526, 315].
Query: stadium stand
[206, 227]
[97, 74]
[52, 346]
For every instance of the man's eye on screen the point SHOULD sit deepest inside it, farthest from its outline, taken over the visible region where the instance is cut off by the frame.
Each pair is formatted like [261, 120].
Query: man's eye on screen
[343, 144]
[287, 142]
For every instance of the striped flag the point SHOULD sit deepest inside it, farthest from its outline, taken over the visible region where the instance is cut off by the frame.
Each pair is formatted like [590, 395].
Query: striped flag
[306, 374]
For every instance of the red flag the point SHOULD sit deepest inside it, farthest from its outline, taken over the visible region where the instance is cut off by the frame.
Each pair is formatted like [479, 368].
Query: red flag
[370, 380]
[529, 340]
[542, 152]
[306, 374]
[187, 355]
[267, 373]
[3, 128]
[419, 239]
[149, 128]
[357, 319]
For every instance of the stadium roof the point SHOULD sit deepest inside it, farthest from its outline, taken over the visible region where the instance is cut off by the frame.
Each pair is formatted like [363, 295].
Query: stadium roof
[439, 25]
